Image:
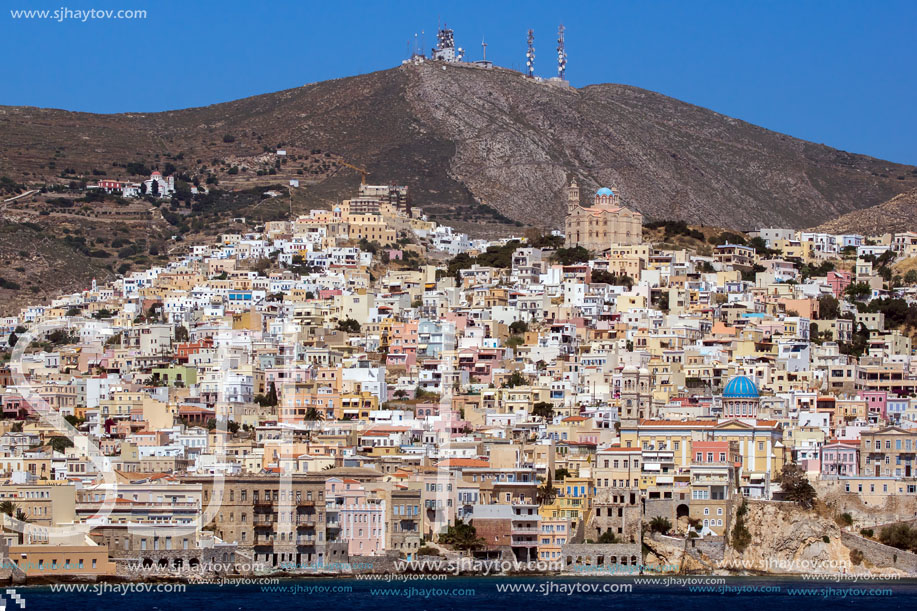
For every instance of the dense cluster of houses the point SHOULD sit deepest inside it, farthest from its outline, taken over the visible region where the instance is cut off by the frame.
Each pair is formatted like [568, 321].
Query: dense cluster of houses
[301, 395]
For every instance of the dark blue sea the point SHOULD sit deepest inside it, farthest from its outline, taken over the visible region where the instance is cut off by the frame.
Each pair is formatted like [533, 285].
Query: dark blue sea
[482, 593]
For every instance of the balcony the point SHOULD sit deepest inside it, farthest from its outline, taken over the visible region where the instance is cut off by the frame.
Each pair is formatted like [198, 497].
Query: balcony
[305, 540]
[525, 531]
[525, 542]
[262, 502]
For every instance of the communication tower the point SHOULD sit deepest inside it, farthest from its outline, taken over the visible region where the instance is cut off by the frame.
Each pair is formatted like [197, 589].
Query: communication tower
[530, 54]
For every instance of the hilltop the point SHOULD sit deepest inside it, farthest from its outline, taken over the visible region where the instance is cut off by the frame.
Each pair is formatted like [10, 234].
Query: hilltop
[486, 151]
[476, 146]
[896, 215]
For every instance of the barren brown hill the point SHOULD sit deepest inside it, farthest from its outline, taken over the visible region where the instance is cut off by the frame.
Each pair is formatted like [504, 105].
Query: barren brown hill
[897, 214]
[475, 145]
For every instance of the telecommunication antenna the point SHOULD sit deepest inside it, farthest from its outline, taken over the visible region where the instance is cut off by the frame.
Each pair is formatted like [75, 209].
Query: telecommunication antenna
[530, 54]
[561, 53]
[484, 49]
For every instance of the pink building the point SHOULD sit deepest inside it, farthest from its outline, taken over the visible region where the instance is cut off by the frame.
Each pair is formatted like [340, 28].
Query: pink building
[402, 345]
[876, 402]
[355, 516]
[840, 458]
[838, 281]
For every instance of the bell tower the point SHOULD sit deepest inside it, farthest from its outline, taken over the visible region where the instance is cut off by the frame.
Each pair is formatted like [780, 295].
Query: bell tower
[572, 196]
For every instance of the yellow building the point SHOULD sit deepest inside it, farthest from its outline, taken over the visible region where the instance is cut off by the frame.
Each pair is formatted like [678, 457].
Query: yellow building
[760, 444]
[573, 501]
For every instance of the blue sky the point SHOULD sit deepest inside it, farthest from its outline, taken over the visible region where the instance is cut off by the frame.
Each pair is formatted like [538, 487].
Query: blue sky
[840, 72]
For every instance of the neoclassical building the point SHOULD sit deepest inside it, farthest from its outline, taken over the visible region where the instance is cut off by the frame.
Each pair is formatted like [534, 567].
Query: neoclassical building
[740, 398]
[607, 222]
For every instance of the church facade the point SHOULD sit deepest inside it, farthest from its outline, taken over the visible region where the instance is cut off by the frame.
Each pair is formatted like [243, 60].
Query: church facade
[606, 223]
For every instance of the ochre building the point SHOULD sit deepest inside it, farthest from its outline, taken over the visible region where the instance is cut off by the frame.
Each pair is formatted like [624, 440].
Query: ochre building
[602, 225]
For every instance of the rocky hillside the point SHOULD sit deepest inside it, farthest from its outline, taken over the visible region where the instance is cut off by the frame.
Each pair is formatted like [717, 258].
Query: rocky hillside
[477, 146]
[896, 215]
[783, 539]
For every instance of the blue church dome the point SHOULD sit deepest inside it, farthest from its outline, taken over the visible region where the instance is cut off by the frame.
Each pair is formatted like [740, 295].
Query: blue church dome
[740, 387]
[604, 191]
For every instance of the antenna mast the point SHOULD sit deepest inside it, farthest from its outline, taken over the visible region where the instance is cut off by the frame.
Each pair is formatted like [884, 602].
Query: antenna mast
[561, 53]
[530, 54]
[484, 49]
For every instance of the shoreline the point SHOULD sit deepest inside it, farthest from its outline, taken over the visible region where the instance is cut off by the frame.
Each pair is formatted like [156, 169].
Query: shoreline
[395, 578]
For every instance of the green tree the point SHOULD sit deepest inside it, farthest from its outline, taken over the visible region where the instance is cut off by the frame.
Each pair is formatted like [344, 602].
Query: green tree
[518, 327]
[911, 276]
[741, 537]
[60, 443]
[516, 378]
[899, 535]
[543, 409]
[349, 325]
[858, 290]
[73, 420]
[271, 398]
[796, 486]
[462, 537]
[181, 333]
[828, 307]
[546, 493]
[660, 525]
[607, 538]
[569, 256]
[314, 415]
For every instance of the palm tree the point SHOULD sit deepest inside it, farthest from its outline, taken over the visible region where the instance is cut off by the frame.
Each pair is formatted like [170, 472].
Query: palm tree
[314, 414]
[14, 512]
[547, 493]
[660, 525]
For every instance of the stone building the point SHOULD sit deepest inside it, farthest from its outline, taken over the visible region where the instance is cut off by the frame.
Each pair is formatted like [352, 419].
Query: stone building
[606, 223]
[275, 522]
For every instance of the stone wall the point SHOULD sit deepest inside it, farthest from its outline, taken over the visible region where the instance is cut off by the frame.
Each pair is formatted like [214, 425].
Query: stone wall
[208, 561]
[708, 548]
[608, 558]
[664, 508]
[883, 556]
[881, 509]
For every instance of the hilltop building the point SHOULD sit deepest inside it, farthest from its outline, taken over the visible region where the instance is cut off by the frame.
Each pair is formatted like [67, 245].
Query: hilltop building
[606, 223]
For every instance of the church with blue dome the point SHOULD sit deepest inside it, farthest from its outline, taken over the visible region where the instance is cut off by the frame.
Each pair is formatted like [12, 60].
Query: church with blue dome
[740, 398]
[605, 224]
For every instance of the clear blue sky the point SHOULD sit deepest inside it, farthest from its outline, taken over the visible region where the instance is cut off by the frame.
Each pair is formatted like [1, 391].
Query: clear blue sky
[839, 72]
